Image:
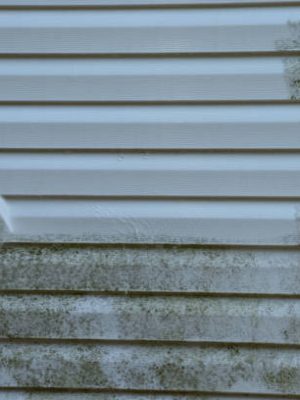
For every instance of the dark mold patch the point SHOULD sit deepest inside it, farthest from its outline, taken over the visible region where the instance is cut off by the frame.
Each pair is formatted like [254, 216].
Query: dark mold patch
[285, 380]
[292, 64]
[292, 42]
[292, 73]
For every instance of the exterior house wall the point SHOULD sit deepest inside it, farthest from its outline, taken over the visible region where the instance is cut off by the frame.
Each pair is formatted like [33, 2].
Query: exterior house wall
[149, 183]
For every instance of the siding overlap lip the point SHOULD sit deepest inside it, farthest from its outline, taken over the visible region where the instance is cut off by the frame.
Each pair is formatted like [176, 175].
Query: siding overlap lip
[144, 4]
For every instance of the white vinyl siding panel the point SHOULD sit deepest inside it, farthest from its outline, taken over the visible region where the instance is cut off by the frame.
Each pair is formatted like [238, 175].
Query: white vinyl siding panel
[154, 130]
[152, 221]
[144, 127]
[145, 79]
[147, 31]
[137, 174]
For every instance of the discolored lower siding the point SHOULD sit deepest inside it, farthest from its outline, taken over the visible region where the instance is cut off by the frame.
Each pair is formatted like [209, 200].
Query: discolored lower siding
[208, 368]
[142, 318]
[150, 269]
[75, 320]
[43, 395]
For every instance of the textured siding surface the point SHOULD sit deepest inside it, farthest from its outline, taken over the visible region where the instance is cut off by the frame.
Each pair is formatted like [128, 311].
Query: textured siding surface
[149, 199]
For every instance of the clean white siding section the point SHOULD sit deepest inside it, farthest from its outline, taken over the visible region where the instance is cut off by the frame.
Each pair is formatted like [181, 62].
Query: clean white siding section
[153, 221]
[164, 108]
[146, 31]
[140, 127]
[146, 79]
[137, 174]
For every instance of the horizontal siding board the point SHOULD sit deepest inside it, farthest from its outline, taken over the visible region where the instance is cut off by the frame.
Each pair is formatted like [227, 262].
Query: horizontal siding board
[152, 221]
[235, 320]
[150, 127]
[147, 79]
[47, 395]
[137, 3]
[150, 174]
[195, 368]
[149, 269]
[149, 31]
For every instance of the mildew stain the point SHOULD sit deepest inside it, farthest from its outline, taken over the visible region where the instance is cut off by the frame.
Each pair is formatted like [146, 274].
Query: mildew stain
[285, 380]
[148, 269]
[292, 73]
[141, 367]
[291, 64]
[121, 268]
[84, 395]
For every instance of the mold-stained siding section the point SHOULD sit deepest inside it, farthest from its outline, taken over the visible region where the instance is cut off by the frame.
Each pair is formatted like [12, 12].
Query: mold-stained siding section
[149, 200]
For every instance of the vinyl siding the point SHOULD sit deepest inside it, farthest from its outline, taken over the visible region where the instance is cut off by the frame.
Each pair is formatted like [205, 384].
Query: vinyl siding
[151, 127]
[149, 183]
[158, 31]
[147, 80]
